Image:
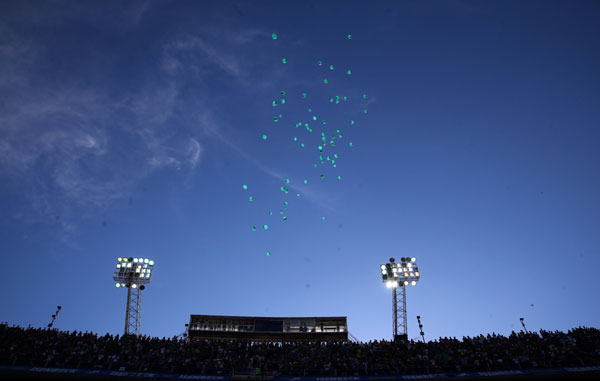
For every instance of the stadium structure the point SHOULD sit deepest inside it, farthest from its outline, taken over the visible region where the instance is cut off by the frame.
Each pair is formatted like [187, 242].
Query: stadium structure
[275, 329]
[133, 274]
[223, 348]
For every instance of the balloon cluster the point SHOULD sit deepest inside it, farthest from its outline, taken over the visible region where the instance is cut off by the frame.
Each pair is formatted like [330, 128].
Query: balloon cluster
[326, 139]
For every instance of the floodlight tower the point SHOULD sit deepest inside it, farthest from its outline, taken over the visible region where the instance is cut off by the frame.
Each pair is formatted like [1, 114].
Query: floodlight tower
[54, 316]
[134, 274]
[397, 276]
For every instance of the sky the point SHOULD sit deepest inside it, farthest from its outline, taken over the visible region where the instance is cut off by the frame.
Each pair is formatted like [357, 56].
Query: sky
[466, 135]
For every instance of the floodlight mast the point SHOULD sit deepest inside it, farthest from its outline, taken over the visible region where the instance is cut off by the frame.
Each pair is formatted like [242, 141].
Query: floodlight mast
[54, 316]
[397, 276]
[399, 311]
[421, 327]
[133, 273]
[133, 311]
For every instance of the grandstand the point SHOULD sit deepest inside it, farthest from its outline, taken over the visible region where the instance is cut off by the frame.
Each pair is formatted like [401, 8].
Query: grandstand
[274, 329]
[49, 353]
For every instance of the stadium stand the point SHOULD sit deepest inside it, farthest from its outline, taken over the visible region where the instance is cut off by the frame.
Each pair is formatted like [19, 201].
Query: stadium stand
[523, 353]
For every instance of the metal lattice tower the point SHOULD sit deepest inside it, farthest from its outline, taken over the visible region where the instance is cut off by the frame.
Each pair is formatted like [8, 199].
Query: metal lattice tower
[134, 274]
[399, 311]
[397, 276]
[133, 315]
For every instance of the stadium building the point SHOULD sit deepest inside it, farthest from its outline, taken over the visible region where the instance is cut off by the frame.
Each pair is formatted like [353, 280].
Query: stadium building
[275, 329]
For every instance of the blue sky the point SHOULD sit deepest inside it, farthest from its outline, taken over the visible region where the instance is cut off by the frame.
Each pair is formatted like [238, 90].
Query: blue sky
[129, 128]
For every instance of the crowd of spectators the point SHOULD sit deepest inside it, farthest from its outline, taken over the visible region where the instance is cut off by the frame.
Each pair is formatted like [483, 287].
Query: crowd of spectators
[54, 348]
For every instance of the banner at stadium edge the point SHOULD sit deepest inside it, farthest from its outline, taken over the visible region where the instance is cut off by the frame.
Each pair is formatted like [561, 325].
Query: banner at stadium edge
[491, 374]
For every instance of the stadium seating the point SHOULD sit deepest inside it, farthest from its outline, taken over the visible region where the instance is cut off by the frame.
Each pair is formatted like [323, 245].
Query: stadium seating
[78, 350]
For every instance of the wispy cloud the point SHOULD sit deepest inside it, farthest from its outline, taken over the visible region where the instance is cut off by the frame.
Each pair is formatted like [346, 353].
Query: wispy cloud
[77, 139]
[215, 47]
[177, 158]
[194, 151]
[73, 146]
[222, 59]
[315, 196]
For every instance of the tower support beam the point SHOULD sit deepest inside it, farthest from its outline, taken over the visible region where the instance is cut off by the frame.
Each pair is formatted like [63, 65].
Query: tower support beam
[399, 311]
[133, 313]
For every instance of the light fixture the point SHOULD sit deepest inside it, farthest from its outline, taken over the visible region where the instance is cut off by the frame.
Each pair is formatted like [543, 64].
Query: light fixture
[134, 278]
[397, 276]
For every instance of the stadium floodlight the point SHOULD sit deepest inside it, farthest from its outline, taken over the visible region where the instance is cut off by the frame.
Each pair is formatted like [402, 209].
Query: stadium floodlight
[421, 327]
[133, 274]
[58, 308]
[397, 276]
[523, 324]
